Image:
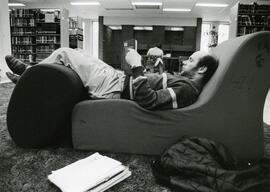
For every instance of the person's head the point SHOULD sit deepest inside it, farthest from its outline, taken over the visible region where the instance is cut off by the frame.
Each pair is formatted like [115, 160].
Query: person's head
[200, 65]
[154, 62]
[158, 45]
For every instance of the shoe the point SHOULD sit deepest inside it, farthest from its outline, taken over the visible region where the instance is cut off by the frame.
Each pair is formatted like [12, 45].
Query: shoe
[13, 77]
[15, 65]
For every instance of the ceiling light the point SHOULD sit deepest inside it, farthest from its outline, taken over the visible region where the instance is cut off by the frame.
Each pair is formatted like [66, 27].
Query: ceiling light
[211, 5]
[147, 3]
[115, 27]
[16, 4]
[85, 3]
[49, 10]
[143, 28]
[176, 10]
[168, 28]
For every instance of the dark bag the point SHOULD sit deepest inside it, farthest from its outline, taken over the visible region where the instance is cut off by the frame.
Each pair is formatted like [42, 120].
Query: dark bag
[202, 165]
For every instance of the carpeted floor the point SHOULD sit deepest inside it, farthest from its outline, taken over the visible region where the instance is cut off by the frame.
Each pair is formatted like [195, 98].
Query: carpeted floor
[27, 169]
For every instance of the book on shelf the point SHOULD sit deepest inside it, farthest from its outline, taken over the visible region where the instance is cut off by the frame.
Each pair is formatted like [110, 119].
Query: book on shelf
[252, 18]
[75, 32]
[36, 32]
[128, 44]
[95, 173]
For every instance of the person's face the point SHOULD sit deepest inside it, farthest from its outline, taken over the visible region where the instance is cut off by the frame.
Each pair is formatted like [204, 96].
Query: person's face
[189, 66]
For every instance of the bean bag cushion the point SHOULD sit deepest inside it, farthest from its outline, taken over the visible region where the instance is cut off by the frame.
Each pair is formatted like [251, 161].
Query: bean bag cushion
[39, 110]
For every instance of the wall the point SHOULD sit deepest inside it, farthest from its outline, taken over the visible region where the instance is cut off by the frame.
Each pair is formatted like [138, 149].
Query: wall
[150, 21]
[174, 42]
[64, 28]
[116, 49]
[5, 43]
[88, 36]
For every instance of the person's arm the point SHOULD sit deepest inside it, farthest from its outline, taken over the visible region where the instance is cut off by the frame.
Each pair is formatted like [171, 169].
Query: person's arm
[178, 96]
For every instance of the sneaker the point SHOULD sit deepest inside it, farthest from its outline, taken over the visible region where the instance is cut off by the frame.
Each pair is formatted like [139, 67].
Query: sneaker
[13, 77]
[15, 65]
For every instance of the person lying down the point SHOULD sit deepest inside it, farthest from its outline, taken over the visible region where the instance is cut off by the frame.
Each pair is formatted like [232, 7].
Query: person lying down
[151, 91]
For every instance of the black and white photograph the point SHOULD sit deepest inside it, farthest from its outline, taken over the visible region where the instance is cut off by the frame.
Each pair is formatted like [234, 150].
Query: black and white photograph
[135, 95]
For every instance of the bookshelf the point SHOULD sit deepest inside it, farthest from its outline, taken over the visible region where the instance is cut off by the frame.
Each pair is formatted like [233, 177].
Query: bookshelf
[249, 18]
[75, 32]
[23, 32]
[36, 33]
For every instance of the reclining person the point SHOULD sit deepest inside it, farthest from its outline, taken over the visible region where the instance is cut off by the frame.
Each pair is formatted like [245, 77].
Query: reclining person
[151, 91]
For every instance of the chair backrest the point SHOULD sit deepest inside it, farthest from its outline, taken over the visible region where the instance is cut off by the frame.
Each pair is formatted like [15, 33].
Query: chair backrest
[230, 107]
[243, 72]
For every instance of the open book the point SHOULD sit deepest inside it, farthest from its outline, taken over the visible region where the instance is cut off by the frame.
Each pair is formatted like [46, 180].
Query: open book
[94, 174]
[132, 43]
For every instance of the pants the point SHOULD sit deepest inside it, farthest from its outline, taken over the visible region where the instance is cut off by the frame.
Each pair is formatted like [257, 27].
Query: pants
[100, 79]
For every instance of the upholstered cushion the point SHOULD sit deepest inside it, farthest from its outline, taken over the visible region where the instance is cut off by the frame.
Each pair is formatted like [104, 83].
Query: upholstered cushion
[39, 110]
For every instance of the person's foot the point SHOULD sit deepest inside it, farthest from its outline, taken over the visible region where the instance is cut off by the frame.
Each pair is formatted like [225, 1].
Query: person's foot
[15, 65]
[13, 77]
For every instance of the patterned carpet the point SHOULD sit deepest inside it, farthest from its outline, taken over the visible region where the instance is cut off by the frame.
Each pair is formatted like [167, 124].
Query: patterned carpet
[27, 169]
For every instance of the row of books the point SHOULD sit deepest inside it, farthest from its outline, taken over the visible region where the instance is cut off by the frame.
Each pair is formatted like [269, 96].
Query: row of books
[23, 12]
[247, 30]
[75, 31]
[18, 17]
[77, 37]
[27, 58]
[23, 31]
[73, 24]
[47, 39]
[22, 40]
[46, 48]
[254, 8]
[22, 22]
[251, 20]
[23, 49]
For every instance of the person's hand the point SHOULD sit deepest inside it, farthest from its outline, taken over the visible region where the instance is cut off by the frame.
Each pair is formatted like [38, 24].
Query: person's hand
[133, 58]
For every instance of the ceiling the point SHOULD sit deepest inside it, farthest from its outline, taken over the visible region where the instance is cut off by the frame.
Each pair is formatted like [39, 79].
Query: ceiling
[126, 9]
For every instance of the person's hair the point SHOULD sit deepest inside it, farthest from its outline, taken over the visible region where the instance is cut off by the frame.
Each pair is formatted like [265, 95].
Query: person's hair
[158, 45]
[211, 62]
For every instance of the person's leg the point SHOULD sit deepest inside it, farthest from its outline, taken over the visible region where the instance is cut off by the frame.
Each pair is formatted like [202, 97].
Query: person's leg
[100, 79]
[84, 66]
[18, 67]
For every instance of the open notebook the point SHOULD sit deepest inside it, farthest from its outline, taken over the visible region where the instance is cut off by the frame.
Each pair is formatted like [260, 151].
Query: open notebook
[94, 174]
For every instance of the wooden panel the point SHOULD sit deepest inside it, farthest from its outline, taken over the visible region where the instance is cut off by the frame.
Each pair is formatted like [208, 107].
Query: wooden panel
[100, 37]
[158, 34]
[198, 34]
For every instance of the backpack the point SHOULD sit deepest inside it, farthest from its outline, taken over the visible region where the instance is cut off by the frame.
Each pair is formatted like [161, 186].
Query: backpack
[201, 165]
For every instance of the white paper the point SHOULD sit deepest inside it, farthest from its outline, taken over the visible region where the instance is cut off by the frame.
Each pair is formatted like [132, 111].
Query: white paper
[125, 174]
[85, 173]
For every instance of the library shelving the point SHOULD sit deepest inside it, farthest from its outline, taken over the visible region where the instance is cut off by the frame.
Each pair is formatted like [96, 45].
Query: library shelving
[36, 33]
[23, 31]
[75, 32]
[249, 18]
